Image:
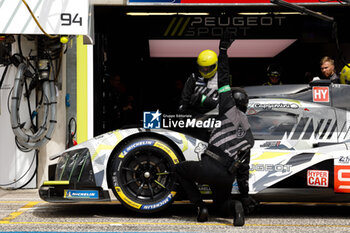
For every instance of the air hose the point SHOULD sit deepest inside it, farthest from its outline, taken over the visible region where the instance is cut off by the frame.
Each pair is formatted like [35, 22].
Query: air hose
[33, 140]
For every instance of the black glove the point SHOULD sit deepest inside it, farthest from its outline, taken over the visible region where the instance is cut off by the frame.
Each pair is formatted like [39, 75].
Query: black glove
[210, 103]
[232, 169]
[182, 109]
[249, 204]
[226, 40]
[195, 99]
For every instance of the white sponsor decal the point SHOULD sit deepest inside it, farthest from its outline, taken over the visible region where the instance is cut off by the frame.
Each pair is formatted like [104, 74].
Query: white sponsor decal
[317, 178]
[320, 94]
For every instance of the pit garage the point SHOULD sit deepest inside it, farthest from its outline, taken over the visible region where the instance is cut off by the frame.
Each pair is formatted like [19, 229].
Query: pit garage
[136, 55]
[152, 47]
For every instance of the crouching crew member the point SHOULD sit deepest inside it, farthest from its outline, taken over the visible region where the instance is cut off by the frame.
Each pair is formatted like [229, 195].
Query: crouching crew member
[228, 148]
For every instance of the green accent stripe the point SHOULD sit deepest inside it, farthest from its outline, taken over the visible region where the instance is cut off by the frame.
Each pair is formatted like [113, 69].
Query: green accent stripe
[82, 96]
[82, 168]
[75, 163]
[203, 99]
[177, 26]
[184, 26]
[170, 26]
[56, 182]
[224, 89]
[290, 100]
[160, 184]
[64, 168]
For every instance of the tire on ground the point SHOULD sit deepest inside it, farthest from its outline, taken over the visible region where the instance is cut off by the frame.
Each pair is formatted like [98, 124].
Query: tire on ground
[141, 174]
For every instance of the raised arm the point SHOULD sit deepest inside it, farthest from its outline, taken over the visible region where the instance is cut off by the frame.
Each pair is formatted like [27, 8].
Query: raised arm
[226, 100]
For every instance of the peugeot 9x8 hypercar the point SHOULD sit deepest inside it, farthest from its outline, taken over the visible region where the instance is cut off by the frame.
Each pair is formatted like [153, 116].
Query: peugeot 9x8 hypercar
[301, 153]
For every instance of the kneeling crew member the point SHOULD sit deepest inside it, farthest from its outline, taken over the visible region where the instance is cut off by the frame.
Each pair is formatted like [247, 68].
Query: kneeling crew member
[228, 148]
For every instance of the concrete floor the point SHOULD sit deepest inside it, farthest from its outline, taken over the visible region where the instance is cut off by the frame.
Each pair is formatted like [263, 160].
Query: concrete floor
[23, 210]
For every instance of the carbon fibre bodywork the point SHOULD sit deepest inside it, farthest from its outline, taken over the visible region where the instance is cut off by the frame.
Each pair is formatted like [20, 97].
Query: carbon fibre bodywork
[300, 154]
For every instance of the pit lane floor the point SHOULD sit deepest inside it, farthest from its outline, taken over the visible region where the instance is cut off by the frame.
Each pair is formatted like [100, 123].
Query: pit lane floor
[23, 211]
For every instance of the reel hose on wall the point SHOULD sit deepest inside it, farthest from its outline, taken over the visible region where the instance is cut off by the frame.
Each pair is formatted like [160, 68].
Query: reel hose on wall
[33, 140]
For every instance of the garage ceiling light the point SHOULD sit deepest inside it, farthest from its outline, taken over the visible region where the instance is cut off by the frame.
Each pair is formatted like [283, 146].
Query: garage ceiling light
[254, 13]
[269, 13]
[165, 13]
[261, 48]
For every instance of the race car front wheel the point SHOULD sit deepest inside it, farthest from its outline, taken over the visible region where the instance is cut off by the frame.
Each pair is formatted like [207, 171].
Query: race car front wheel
[142, 175]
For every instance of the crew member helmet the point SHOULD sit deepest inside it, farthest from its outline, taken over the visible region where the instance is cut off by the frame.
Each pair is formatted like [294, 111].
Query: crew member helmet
[241, 98]
[274, 70]
[345, 75]
[274, 73]
[207, 63]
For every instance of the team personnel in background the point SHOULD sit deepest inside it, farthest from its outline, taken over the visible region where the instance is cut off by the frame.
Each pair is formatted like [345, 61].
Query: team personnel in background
[200, 93]
[228, 148]
[345, 74]
[113, 101]
[328, 69]
[274, 73]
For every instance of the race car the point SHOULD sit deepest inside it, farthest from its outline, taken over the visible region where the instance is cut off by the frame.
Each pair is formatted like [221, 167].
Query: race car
[300, 153]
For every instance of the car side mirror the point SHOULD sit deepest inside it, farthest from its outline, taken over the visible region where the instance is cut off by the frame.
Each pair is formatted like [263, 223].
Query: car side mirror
[320, 82]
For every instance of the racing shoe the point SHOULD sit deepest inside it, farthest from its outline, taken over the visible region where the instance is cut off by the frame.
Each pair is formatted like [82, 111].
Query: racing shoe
[202, 215]
[238, 215]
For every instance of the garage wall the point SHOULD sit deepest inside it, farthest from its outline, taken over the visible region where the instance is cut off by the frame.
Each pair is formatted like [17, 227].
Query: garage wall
[16, 167]
[58, 142]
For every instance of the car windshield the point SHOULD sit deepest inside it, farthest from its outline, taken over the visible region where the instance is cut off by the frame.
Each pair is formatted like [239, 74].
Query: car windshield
[271, 125]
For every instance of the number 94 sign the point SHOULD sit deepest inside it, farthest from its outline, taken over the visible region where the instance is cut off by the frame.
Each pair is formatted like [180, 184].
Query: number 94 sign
[55, 17]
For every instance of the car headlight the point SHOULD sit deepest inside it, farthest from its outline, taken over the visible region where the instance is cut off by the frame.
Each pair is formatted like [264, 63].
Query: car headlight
[75, 166]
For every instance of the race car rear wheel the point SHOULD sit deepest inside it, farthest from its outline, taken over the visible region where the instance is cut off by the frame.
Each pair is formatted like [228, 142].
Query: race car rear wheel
[142, 174]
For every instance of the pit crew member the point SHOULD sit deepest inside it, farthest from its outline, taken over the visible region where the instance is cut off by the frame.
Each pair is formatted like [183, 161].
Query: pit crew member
[328, 69]
[200, 91]
[228, 148]
[274, 73]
